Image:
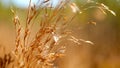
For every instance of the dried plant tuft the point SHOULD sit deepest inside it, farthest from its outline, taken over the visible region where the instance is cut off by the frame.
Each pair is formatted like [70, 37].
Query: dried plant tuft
[44, 48]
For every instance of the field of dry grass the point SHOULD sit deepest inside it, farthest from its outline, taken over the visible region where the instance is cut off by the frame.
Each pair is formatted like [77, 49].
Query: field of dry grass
[55, 37]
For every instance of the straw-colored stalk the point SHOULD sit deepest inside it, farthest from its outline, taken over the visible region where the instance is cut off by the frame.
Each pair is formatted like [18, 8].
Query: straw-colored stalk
[44, 49]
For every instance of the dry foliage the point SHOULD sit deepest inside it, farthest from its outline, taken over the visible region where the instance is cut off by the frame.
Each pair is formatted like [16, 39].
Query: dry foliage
[44, 48]
[6, 60]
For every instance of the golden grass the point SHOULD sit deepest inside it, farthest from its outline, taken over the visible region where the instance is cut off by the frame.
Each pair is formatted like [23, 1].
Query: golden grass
[6, 59]
[43, 49]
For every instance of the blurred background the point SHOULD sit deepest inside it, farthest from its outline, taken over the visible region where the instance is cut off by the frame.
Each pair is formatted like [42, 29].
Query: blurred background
[92, 24]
